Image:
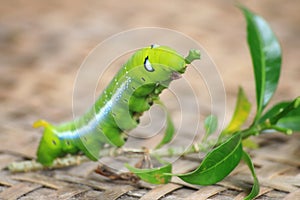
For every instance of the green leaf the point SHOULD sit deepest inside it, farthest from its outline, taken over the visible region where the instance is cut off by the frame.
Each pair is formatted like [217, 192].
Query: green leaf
[291, 120]
[154, 175]
[266, 58]
[210, 124]
[217, 164]
[273, 111]
[255, 188]
[284, 115]
[241, 113]
[170, 129]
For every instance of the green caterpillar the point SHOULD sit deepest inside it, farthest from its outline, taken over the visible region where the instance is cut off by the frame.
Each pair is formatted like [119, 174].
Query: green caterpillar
[131, 92]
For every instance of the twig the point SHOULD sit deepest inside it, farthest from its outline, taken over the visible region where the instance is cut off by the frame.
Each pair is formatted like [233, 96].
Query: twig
[71, 160]
[33, 165]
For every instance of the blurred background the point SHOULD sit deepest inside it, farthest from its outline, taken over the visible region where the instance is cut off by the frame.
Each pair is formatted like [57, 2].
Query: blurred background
[43, 43]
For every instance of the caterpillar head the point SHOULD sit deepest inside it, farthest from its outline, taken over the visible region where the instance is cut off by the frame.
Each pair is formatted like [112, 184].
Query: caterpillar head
[50, 146]
[155, 67]
[167, 56]
[158, 64]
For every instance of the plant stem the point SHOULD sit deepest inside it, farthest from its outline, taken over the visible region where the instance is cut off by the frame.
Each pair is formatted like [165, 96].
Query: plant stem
[253, 130]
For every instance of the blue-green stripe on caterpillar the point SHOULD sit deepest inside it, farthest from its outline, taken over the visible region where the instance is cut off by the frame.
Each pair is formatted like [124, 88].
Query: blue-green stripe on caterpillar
[131, 92]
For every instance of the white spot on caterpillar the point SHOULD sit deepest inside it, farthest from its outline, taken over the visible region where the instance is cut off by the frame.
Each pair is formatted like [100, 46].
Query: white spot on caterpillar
[148, 65]
[154, 46]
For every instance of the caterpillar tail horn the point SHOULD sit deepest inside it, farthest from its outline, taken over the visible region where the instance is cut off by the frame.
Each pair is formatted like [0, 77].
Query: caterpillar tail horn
[40, 123]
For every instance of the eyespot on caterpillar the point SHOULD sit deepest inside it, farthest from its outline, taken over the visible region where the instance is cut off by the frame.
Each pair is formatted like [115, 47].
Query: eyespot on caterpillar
[131, 92]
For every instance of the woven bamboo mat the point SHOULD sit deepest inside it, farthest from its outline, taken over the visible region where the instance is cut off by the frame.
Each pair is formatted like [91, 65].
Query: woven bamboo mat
[277, 164]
